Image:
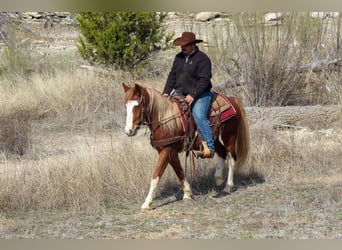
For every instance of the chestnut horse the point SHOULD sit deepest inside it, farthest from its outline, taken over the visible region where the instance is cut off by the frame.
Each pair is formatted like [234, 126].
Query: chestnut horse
[162, 116]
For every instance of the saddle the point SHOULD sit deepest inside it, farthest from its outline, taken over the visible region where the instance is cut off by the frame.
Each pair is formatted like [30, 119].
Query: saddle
[221, 110]
[221, 106]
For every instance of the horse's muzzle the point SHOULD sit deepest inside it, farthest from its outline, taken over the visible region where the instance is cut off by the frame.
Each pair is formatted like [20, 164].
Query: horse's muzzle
[131, 132]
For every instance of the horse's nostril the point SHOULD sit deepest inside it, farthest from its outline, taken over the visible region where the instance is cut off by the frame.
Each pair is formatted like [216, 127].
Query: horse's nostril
[130, 132]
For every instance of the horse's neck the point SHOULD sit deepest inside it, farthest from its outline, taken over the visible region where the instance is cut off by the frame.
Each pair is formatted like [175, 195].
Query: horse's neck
[161, 114]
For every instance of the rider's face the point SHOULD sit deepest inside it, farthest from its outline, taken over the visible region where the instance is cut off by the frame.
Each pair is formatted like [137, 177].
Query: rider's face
[188, 48]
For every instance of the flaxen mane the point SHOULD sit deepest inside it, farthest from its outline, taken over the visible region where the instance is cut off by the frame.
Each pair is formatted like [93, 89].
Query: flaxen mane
[168, 113]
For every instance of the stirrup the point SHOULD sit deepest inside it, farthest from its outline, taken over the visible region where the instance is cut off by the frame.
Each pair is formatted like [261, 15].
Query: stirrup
[200, 154]
[206, 153]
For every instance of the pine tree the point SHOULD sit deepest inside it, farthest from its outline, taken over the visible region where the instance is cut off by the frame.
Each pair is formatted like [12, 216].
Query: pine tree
[122, 39]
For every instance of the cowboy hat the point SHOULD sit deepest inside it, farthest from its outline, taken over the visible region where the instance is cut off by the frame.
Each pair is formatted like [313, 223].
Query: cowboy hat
[186, 38]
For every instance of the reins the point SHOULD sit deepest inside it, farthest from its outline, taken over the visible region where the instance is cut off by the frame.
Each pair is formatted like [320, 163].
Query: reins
[188, 146]
[163, 142]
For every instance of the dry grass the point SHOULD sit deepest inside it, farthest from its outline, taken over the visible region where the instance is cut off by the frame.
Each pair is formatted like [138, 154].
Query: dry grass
[44, 111]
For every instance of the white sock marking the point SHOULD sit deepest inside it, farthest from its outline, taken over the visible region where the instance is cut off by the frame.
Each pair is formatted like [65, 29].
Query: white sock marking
[151, 193]
[220, 164]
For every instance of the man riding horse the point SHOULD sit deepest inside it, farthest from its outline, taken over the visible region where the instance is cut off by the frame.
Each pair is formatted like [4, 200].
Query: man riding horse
[190, 76]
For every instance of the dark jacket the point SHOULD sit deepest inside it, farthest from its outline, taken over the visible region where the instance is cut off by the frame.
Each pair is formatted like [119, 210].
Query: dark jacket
[190, 77]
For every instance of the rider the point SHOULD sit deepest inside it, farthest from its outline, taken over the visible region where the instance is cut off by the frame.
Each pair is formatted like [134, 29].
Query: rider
[190, 76]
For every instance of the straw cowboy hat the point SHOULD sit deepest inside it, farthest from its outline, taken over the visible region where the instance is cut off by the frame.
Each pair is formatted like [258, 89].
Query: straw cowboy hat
[186, 38]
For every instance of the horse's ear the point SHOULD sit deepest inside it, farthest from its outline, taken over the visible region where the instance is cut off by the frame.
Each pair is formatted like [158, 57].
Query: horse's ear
[125, 87]
[139, 88]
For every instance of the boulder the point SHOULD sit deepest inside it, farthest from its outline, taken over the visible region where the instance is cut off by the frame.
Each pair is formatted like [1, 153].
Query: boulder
[33, 15]
[273, 16]
[206, 16]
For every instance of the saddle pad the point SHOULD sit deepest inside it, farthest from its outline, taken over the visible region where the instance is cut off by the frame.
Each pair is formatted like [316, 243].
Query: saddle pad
[221, 105]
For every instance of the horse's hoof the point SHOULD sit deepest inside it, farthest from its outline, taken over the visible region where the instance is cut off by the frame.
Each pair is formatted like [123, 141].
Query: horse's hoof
[189, 201]
[146, 207]
[219, 180]
[188, 198]
[228, 189]
[220, 194]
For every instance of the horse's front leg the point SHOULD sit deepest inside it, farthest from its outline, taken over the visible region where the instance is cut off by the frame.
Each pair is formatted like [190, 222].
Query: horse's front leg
[177, 167]
[163, 160]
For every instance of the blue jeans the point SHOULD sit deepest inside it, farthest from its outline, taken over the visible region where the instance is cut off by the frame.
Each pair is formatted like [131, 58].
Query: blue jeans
[200, 110]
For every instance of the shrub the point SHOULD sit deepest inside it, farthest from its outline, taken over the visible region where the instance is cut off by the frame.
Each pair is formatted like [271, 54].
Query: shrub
[123, 39]
[16, 58]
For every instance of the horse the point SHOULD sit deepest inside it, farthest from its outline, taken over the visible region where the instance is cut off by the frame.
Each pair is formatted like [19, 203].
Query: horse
[145, 105]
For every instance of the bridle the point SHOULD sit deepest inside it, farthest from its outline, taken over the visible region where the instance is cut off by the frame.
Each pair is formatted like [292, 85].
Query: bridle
[142, 103]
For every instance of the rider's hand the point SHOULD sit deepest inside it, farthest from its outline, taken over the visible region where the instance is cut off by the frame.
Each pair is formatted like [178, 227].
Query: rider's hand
[189, 99]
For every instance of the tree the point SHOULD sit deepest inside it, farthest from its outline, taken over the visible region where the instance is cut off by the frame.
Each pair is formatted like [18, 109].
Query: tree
[123, 39]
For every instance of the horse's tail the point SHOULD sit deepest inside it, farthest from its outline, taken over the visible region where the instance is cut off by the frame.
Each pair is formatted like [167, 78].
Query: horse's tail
[242, 142]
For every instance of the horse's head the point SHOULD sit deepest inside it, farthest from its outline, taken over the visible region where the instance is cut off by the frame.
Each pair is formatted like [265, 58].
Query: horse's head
[134, 101]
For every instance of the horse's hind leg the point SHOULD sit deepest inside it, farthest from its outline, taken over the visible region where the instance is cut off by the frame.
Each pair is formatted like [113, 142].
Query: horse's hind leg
[231, 167]
[220, 163]
[227, 150]
[176, 165]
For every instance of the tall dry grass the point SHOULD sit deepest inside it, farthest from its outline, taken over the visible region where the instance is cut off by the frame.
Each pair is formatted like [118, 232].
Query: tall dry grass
[296, 155]
[76, 99]
[88, 176]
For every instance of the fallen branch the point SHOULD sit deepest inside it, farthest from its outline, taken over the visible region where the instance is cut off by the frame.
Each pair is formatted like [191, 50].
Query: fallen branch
[319, 66]
[98, 70]
[287, 126]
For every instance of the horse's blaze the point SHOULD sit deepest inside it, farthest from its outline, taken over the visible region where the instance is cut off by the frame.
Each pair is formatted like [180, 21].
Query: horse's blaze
[130, 128]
